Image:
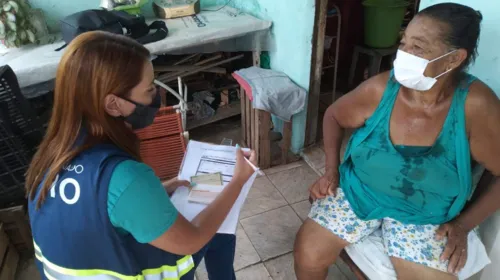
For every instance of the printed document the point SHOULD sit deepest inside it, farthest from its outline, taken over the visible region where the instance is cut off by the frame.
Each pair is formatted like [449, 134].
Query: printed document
[202, 158]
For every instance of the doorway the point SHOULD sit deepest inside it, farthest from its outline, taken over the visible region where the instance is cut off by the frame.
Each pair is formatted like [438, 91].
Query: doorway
[338, 30]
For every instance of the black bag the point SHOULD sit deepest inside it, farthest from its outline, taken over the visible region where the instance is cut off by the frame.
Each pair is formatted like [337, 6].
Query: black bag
[117, 22]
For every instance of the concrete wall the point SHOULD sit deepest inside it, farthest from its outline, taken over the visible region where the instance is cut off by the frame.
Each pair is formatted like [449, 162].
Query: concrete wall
[54, 10]
[293, 22]
[487, 68]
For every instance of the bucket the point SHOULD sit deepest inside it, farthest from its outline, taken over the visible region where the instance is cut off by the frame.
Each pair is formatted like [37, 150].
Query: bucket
[383, 20]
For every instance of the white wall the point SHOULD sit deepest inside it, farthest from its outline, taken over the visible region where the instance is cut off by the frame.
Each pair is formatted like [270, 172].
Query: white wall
[487, 68]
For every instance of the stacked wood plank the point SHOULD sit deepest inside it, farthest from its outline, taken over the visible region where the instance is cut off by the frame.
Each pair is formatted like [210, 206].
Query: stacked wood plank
[192, 65]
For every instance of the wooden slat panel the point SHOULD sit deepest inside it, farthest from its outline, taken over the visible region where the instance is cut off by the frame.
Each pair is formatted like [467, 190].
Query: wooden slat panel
[4, 243]
[256, 140]
[9, 266]
[287, 141]
[264, 120]
[254, 129]
[243, 115]
[248, 111]
[254, 117]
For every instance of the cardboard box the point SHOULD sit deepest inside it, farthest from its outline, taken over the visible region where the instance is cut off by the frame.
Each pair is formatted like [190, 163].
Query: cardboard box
[174, 8]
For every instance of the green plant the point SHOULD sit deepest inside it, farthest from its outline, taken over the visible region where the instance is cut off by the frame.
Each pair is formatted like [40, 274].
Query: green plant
[16, 28]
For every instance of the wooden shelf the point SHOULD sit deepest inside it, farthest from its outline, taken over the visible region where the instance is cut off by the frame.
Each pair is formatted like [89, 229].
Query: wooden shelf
[231, 110]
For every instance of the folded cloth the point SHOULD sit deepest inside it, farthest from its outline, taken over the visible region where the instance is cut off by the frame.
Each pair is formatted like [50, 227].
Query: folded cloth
[369, 255]
[272, 91]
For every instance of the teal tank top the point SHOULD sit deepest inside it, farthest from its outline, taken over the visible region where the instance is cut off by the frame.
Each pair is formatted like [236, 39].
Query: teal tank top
[414, 185]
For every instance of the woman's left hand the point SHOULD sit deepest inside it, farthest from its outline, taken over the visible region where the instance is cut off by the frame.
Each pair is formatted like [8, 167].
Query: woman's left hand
[172, 185]
[456, 247]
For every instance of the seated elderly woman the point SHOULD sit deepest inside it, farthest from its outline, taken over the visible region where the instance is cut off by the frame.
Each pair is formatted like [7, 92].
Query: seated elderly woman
[419, 130]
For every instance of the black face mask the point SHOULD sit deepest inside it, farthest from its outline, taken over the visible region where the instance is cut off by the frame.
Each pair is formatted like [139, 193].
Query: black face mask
[143, 115]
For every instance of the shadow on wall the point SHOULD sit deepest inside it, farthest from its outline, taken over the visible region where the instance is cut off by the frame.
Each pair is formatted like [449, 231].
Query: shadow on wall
[54, 10]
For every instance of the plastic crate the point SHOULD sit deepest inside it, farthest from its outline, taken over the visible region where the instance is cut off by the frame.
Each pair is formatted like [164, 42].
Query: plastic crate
[21, 132]
[13, 164]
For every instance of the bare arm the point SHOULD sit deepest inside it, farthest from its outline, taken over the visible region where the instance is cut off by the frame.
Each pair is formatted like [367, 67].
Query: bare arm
[350, 112]
[483, 117]
[186, 238]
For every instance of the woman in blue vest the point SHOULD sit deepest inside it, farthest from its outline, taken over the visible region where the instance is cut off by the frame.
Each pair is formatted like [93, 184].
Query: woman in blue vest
[419, 131]
[96, 211]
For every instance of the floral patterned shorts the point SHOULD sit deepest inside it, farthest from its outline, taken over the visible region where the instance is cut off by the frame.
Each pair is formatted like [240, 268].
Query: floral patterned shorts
[415, 243]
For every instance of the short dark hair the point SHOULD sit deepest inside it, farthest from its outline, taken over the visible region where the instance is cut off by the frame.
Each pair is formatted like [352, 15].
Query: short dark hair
[464, 27]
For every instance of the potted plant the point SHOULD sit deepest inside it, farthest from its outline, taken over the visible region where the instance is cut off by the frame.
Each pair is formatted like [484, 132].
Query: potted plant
[16, 28]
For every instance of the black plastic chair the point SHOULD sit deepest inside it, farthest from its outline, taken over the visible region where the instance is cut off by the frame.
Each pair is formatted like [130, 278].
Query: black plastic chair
[21, 131]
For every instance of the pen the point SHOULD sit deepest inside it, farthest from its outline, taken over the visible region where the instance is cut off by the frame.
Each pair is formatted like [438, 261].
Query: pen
[255, 168]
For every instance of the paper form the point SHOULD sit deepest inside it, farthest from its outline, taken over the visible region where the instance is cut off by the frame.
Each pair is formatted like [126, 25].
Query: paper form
[203, 157]
[218, 161]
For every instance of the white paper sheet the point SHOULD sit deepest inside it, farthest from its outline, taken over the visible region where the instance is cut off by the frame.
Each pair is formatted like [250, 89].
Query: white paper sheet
[198, 157]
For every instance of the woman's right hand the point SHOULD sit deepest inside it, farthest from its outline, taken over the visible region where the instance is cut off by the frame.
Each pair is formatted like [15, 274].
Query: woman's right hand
[325, 186]
[187, 238]
[243, 171]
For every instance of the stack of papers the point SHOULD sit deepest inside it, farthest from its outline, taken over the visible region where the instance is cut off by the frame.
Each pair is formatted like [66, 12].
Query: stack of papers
[201, 159]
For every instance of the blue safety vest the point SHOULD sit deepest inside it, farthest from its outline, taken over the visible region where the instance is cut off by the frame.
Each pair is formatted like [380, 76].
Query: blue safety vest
[74, 237]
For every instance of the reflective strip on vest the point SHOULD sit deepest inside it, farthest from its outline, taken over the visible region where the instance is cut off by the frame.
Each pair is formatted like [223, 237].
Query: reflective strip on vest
[166, 272]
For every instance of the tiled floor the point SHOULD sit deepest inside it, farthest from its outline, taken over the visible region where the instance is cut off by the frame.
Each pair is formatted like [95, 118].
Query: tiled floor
[272, 215]
[274, 211]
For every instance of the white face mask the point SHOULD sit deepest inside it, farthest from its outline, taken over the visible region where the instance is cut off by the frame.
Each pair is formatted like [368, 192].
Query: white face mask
[409, 71]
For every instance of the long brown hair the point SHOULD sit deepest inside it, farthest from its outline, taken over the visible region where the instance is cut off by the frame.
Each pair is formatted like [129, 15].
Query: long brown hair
[93, 66]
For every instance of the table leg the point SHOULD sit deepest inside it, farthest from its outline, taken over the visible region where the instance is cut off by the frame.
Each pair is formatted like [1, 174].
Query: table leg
[287, 141]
